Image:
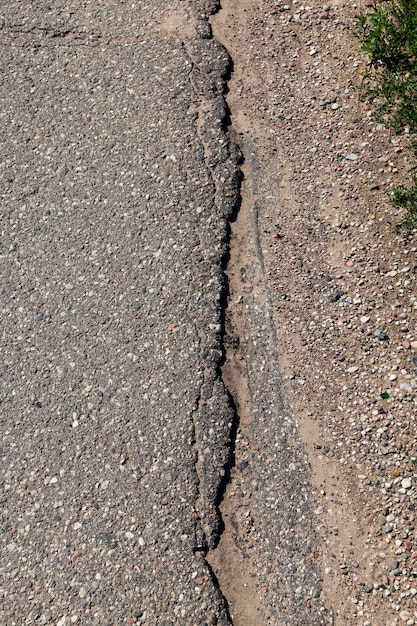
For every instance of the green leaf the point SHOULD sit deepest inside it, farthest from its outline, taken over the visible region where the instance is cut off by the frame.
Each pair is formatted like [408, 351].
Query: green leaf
[388, 36]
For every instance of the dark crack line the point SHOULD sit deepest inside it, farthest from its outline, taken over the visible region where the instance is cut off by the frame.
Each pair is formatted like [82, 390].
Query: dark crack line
[203, 542]
[208, 544]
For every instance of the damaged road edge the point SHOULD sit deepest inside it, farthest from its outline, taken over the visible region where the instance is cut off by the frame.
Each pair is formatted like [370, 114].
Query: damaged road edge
[211, 66]
[215, 418]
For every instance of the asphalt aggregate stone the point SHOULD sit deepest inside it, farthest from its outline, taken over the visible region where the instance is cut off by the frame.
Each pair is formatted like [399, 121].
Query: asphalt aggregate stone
[115, 424]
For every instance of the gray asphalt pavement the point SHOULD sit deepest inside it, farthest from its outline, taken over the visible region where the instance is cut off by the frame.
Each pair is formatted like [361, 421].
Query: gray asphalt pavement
[116, 182]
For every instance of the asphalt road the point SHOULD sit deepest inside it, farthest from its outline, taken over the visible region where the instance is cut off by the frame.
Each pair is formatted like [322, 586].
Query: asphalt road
[116, 182]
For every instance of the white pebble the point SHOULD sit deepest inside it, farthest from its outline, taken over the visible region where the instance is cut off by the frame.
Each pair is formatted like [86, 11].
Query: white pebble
[406, 387]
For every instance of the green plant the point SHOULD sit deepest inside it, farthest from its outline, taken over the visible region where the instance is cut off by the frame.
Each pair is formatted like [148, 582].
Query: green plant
[388, 35]
[389, 38]
[406, 198]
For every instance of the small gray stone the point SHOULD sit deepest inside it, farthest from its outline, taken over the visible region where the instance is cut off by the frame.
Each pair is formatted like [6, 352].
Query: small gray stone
[406, 387]
[336, 296]
[316, 592]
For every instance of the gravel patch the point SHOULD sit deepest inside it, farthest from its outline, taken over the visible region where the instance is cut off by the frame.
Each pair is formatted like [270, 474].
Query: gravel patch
[343, 293]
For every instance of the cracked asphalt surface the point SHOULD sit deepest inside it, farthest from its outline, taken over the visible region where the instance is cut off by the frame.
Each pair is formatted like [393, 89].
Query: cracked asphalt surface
[117, 180]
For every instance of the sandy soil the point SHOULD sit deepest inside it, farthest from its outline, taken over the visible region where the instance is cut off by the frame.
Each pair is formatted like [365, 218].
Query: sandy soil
[344, 290]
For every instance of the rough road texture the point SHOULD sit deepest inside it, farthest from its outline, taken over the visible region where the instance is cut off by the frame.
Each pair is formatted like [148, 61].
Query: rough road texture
[115, 424]
[118, 179]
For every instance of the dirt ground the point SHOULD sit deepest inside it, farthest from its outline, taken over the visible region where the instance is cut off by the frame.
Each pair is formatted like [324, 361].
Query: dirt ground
[344, 292]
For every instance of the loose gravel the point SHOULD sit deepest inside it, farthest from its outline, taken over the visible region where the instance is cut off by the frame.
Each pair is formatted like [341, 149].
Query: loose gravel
[343, 284]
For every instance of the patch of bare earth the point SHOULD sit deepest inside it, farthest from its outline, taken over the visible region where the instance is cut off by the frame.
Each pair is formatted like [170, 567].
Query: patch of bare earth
[344, 289]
